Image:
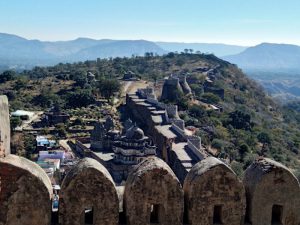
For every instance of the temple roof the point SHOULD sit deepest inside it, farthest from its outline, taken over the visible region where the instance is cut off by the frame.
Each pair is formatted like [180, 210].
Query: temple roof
[135, 133]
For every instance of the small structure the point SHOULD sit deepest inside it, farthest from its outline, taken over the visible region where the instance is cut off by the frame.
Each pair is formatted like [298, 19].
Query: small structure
[127, 124]
[129, 76]
[52, 154]
[120, 153]
[91, 77]
[103, 135]
[22, 114]
[43, 143]
[55, 116]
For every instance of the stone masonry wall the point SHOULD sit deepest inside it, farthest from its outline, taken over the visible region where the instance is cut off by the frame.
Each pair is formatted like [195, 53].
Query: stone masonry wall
[4, 127]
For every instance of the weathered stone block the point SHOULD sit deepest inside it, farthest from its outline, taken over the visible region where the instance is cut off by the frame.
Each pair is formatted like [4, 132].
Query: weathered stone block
[4, 127]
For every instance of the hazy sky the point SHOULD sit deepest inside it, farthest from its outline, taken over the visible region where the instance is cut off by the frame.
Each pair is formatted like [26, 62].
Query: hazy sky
[244, 22]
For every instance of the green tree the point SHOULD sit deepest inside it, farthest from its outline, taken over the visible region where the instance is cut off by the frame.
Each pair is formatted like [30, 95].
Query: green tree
[15, 122]
[20, 83]
[80, 98]
[7, 76]
[46, 99]
[240, 120]
[243, 150]
[61, 130]
[108, 87]
[29, 144]
[197, 89]
[211, 98]
[197, 111]
[265, 139]
[80, 78]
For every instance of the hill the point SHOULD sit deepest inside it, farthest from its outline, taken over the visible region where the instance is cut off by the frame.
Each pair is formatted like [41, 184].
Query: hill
[268, 57]
[249, 123]
[20, 53]
[216, 49]
[118, 49]
[275, 66]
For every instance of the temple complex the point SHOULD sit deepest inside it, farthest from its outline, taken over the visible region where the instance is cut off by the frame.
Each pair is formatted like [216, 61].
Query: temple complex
[154, 173]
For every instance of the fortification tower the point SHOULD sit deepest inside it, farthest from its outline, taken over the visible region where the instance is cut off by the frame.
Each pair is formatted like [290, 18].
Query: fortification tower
[171, 89]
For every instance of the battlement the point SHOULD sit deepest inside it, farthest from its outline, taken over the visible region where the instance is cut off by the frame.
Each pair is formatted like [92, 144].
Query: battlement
[153, 194]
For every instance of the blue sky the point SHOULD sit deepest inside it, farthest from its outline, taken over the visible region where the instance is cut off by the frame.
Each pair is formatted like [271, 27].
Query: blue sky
[244, 22]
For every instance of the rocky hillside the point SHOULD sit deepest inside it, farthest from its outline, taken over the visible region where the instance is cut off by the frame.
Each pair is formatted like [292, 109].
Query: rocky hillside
[234, 117]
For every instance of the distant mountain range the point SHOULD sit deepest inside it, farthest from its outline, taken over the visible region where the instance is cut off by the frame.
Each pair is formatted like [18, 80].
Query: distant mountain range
[275, 66]
[268, 57]
[20, 53]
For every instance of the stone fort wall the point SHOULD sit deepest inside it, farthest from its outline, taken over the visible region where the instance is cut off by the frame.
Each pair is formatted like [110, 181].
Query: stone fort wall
[211, 194]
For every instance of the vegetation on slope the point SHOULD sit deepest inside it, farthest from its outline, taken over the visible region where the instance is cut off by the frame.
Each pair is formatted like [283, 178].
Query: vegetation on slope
[251, 124]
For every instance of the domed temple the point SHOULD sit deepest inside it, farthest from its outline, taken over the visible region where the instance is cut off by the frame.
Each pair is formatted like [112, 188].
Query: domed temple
[133, 147]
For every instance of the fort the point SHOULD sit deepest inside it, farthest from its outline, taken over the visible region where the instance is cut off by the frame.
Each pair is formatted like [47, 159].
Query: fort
[181, 185]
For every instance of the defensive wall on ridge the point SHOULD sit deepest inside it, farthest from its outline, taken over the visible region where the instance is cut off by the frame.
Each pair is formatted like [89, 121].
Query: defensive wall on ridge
[211, 193]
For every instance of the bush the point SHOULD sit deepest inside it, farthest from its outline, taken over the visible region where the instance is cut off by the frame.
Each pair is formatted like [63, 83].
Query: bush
[237, 168]
[240, 120]
[197, 111]
[211, 98]
[80, 98]
[108, 87]
[7, 76]
[15, 122]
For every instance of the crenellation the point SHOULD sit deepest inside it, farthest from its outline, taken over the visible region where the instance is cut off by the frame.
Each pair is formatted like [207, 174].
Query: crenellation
[269, 185]
[88, 191]
[24, 186]
[214, 194]
[155, 183]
